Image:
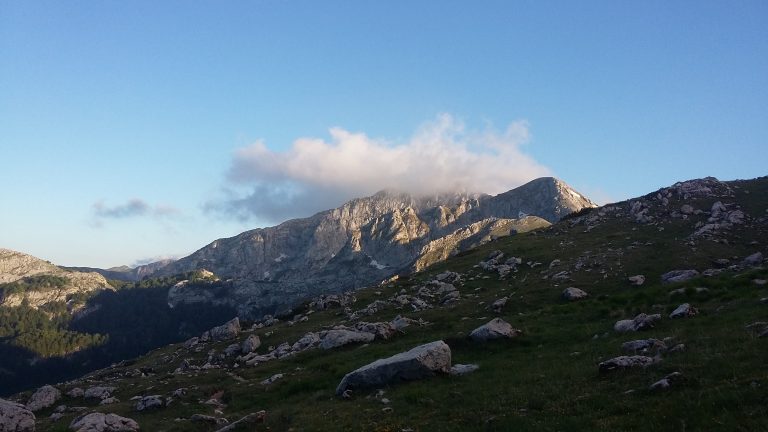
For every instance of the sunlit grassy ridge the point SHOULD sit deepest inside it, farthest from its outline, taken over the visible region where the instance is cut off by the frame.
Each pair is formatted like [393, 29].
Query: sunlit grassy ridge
[547, 379]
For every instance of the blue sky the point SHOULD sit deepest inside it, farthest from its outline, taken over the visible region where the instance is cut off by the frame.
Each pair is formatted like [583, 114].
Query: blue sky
[130, 130]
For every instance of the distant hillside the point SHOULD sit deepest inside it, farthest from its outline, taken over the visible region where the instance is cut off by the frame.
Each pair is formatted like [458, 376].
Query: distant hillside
[363, 242]
[125, 273]
[24, 278]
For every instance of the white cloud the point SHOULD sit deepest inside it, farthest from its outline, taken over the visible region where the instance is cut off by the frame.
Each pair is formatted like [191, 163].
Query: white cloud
[315, 174]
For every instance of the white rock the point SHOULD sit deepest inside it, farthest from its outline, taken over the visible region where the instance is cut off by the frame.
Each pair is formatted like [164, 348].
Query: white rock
[463, 369]
[637, 280]
[625, 362]
[496, 328]
[572, 294]
[251, 344]
[683, 311]
[100, 422]
[98, 392]
[420, 362]
[228, 330]
[43, 397]
[150, 402]
[678, 276]
[336, 338]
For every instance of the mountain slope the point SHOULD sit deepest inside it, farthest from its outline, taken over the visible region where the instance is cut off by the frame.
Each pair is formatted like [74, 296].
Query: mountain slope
[125, 273]
[362, 242]
[24, 277]
[547, 378]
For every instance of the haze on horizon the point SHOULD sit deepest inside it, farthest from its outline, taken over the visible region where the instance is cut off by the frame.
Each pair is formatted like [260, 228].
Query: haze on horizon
[143, 130]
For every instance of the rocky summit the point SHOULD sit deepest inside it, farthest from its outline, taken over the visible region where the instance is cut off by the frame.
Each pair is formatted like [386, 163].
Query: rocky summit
[365, 241]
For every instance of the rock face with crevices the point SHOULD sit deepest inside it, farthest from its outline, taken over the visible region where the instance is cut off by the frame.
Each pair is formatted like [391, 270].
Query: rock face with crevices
[15, 417]
[420, 362]
[363, 242]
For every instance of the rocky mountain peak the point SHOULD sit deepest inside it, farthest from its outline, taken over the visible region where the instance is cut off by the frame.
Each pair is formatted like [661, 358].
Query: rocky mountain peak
[367, 240]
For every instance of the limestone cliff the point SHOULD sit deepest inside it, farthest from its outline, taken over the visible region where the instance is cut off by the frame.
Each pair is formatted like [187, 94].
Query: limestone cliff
[363, 242]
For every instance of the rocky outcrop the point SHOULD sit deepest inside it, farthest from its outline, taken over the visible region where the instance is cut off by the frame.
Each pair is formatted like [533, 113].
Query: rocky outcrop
[15, 417]
[26, 272]
[100, 422]
[417, 363]
[365, 241]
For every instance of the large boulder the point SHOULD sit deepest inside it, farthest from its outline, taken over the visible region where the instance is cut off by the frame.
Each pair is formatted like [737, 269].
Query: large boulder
[43, 397]
[15, 417]
[228, 330]
[100, 422]
[339, 337]
[496, 328]
[678, 276]
[417, 363]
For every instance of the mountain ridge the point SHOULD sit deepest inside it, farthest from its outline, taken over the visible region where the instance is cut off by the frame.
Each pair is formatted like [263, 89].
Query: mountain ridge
[363, 241]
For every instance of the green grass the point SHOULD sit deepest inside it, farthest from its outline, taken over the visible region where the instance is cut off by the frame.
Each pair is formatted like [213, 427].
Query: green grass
[545, 380]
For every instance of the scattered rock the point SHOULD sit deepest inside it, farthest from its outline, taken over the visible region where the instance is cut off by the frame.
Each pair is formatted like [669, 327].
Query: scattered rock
[381, 330]
[99, 392]
[100, 422]
[685, 310]
[150, 402]
[272, 379]
[251, 344]
[499, 304]
[496, 328]
[228, 330]
[625, 362]
[667, 381]
[643, 345]
[420, 362]
[257, 417]
[202, 418]
[463, 369]
[753, 260]
[572, 294]
[15, 417]
[110, 400]
[75, 392]
[686, 209]
[637, 280]
[336, 338]
[640, 322]
[43, 397]
[678, 276]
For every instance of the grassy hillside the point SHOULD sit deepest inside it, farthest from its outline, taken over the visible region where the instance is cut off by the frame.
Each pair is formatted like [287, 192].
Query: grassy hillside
[546, 379]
